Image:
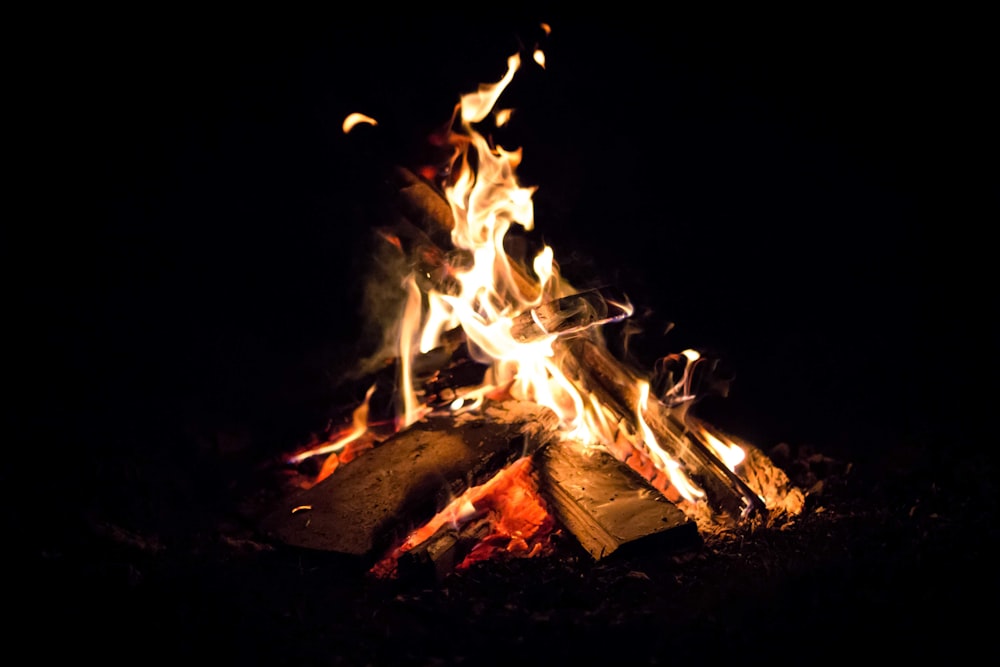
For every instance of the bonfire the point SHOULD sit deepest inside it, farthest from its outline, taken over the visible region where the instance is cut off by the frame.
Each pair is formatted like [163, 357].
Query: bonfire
[512, 418]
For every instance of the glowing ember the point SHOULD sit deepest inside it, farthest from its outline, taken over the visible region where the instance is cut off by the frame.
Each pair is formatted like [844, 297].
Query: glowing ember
[515, 517]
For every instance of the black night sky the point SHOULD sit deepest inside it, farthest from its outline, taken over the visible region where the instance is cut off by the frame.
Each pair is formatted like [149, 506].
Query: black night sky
[804, 198]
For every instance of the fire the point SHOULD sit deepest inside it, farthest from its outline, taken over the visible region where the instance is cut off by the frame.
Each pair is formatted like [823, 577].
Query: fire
[358, 429]
[492, 300]
[487, 201]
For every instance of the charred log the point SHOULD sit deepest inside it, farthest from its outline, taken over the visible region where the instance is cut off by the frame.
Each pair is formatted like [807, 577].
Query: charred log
[373, 502]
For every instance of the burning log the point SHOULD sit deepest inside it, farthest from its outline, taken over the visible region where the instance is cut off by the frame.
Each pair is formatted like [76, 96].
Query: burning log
[769, 481]
[570, 317]
[400, 484]
[607, 506]
[596, 369]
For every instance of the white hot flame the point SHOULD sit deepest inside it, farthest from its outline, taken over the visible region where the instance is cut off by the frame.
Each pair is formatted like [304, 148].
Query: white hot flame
[488, 293]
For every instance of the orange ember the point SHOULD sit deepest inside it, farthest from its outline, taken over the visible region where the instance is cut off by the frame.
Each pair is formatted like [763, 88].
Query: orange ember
[511, 519]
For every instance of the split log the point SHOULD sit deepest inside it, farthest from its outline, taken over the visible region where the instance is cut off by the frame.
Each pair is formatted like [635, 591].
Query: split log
[596, 369]
[607, 506]
[372, 503]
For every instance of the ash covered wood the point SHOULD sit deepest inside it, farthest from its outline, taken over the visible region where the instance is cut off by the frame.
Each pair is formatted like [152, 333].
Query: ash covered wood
[606, 505]
[402, 483]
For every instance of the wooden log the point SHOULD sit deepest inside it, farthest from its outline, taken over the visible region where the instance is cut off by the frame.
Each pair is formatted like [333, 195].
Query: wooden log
[599, 371]
[607, 506]
[369, 505]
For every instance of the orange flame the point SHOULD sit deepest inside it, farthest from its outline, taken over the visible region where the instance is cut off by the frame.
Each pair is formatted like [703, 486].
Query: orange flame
[358, 428]
[487, 201]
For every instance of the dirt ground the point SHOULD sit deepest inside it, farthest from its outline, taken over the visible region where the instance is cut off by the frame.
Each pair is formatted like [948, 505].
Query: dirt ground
[156, 553]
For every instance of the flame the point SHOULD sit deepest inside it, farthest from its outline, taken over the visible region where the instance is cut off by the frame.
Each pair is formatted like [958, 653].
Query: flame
[359, 427]
[503, 116]
[661, 459]
[354, 119]
[729, 452]
[487, 201]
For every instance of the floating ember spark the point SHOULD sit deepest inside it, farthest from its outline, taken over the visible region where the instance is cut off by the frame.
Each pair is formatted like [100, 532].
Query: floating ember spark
[356, 118]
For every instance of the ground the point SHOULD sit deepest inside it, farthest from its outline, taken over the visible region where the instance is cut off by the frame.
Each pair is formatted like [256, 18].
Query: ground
[157, 553]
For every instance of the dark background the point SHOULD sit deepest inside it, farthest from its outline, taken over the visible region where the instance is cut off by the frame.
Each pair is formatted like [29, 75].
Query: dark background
[805, 196]
[808, 197]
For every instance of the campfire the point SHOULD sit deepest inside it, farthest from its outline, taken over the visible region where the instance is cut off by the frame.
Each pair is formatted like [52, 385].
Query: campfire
[497, 416]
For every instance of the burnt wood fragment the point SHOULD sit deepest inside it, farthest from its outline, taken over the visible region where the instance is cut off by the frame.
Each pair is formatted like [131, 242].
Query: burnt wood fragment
[607, 506]
[437, 556]
[368, 505]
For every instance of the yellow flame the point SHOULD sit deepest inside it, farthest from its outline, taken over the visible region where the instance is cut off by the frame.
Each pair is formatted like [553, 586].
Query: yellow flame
[355, 119]
[661, 458]
[407, 336]
[476, 105]
[359, 425]
[503, 116]
[487, 201]
[729, 453]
